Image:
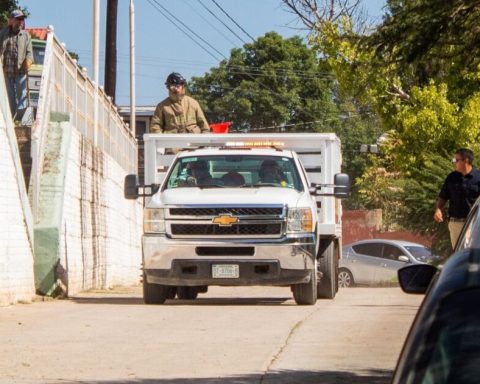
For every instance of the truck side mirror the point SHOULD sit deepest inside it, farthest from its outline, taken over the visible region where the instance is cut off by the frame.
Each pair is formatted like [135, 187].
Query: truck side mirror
[341, 189]
[130, 189]
[312, 189]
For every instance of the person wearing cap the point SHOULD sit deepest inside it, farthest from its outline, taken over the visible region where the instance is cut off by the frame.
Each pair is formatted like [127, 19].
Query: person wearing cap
[16, 55]
[461, 188]
[178, 113]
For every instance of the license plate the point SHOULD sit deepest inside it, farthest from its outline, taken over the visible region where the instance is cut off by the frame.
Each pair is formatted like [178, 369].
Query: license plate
[225, 271]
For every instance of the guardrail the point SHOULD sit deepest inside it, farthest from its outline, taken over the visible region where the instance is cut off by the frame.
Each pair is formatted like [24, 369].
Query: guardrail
[66, 88]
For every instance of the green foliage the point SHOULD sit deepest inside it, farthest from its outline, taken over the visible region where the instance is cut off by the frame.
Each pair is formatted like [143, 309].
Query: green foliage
[419, 197]
[359, 127]
[431, 40]
[379, 188]
[6, 7]
[74, 55]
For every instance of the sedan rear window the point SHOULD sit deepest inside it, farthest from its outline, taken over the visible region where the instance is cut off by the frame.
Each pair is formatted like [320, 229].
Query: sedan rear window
[423, 254]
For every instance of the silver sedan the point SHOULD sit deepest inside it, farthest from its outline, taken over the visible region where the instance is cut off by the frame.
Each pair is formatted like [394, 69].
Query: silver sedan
[376, 261]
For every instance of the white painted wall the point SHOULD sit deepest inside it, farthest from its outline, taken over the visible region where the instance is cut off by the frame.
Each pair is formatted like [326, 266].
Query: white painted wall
[16, 254]
[100, 243]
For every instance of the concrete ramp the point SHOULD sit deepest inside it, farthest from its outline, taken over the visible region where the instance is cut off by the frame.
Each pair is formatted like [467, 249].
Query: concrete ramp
[16, 226]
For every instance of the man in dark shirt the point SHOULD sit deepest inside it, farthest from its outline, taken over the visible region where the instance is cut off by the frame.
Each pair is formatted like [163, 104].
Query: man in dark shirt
[461, 188]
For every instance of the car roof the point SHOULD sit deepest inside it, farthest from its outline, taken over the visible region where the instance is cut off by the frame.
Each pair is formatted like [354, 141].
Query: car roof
[402, 243]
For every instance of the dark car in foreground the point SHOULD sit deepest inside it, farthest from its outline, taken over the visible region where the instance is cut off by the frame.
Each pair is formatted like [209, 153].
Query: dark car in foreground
[376, 261]
[443, 345]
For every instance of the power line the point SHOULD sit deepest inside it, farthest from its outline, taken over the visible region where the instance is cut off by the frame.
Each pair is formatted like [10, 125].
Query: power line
[191, 30]
[218, 86]
[226, 26]
[209, 23]
[178, 27]
[238, 25]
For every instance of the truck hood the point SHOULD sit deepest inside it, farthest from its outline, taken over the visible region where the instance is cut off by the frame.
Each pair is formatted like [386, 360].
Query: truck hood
[230, 196]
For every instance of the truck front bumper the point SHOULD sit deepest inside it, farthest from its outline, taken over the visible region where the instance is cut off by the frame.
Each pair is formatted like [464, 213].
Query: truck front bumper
[190, 263]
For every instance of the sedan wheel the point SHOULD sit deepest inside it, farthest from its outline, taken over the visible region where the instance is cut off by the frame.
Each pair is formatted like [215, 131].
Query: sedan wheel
[345, 279]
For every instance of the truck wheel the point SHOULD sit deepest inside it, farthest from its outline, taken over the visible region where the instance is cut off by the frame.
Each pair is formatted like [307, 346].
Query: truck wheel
[154, 293]
[187, 293]
[306, 294]
[327, 286]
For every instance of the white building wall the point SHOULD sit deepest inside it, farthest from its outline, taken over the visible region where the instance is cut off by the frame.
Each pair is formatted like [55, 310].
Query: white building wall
[101, 231]
[16, 255]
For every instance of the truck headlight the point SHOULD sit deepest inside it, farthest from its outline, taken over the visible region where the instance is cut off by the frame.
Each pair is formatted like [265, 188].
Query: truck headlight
[300, 220]
[154, 220]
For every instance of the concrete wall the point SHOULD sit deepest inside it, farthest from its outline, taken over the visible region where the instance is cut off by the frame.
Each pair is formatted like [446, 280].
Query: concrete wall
[16, 253]
[89, 235]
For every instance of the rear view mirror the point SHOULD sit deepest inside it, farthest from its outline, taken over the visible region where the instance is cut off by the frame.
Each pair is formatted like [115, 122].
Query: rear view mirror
[130, 189]
[403, 258]
[313, 189]
[341, 189]
[416, 278]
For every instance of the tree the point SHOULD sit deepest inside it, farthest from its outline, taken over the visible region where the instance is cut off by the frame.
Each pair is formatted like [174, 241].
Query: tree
[315, 13]
[419, 196]
[431, 40]
[6, 7]
[273, 83]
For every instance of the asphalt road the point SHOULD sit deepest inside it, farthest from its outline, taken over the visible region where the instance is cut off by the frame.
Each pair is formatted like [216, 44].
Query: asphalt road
[229, 335]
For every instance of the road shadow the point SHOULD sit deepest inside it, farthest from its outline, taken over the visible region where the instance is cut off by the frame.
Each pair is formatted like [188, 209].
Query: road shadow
[376, 376]
[232, 301]
[105, 300]
[213, 301]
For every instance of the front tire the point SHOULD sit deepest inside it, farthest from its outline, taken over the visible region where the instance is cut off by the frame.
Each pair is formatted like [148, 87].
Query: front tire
[306, 294]
[345, 278]
[171, 292]
[154, 293]
[328, 285]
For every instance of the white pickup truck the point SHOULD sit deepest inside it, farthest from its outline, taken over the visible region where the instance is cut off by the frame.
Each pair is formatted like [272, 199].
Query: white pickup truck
[241, 209]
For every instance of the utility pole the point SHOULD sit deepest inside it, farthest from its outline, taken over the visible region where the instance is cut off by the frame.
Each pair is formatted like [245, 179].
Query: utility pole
[111, 49]
[132, 68]
[95, 60]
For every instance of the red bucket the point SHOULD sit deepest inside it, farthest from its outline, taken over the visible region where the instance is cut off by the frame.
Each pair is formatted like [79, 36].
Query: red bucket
[220, 127]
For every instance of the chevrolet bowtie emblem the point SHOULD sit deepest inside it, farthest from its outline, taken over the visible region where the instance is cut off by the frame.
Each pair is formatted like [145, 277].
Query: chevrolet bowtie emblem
[225, 220]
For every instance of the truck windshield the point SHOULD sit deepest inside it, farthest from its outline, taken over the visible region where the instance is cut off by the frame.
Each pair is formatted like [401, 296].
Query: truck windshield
[234, 171]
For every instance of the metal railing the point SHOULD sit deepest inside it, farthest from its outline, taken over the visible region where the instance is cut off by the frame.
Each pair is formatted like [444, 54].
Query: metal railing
[66, 88]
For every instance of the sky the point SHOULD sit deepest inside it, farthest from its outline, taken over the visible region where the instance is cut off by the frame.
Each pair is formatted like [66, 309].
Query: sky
[160, 47]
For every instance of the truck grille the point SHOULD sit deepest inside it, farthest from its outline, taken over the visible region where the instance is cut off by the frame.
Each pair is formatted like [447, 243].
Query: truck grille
[234, 211]
[237, 229]
[267, 221]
